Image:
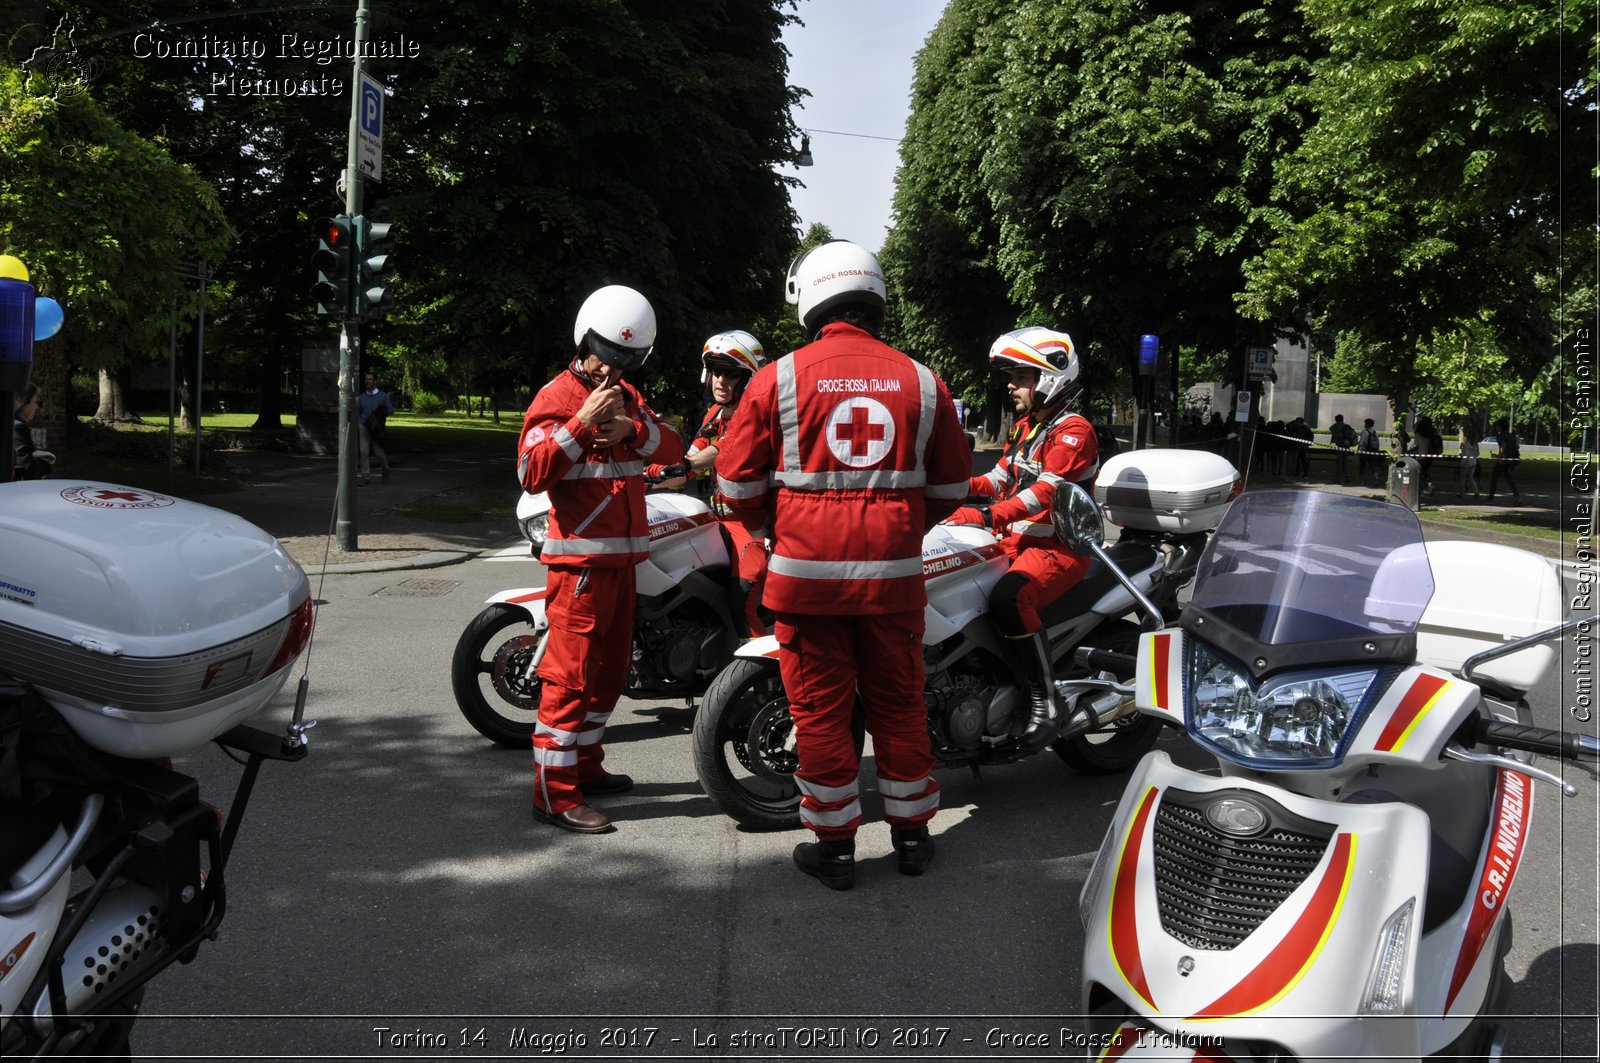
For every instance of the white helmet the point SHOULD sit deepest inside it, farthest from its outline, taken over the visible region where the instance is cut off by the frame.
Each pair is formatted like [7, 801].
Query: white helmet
[617, 324]
[1044, 349]
[831, 275]
[734, 350]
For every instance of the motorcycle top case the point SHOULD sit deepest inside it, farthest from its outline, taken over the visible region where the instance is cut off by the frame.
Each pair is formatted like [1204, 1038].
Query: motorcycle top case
[1179, 491]
[150, 623]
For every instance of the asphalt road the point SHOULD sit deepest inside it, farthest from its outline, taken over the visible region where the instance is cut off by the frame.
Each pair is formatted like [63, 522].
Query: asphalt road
[391, 898]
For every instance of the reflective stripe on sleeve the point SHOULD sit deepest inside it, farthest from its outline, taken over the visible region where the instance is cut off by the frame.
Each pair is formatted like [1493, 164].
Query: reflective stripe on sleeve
[1032, 502]
[787, 394]
[568, 444]
[652, 439]
[1000, 477]
[604, 470]
[1039, 529]
[799, 568]
[928, 391]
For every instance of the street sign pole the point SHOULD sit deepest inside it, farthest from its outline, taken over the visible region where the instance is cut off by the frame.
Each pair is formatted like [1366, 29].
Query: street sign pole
[350, 339]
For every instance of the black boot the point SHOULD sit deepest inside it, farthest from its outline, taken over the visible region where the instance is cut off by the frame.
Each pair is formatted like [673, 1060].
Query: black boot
[831, 863]
[1029, 657]
[914, 847]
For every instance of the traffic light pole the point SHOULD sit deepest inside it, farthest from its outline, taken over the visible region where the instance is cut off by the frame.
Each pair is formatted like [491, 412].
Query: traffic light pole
[350, 339]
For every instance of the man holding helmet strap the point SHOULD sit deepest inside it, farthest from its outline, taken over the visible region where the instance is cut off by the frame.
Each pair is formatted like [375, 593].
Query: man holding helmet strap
[729, 360]
[584, 440]
[1049, 446]
[845, 453]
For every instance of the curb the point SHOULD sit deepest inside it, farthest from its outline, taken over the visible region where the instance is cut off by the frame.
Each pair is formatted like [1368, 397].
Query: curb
[429, 559]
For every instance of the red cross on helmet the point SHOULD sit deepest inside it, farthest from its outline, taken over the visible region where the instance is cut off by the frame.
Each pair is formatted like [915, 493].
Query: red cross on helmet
[618, 325]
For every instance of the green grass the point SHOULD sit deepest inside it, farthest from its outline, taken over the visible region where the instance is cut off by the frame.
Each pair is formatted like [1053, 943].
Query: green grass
[1536, 525]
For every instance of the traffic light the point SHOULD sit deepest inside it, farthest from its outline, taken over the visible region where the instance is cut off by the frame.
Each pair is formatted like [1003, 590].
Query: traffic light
[332, 265]
[375, 268]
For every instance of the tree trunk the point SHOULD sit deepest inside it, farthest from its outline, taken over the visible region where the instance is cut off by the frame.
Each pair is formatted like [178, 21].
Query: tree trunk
[113, 407]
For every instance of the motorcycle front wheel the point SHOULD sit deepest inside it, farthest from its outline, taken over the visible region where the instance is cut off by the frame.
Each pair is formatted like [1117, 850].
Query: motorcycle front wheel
[744, 748]
[1118, 745]
[495, 686]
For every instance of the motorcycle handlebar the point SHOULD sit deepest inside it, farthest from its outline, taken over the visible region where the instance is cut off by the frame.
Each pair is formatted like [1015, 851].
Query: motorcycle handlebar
[1571, 745]
[668, 472]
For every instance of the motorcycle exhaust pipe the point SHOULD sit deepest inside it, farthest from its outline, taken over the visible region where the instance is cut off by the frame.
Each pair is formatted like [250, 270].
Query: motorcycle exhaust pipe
[1108, 706]
[122, 937]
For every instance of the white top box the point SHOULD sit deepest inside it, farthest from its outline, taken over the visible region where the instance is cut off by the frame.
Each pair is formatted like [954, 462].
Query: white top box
[149, 622]
[1169, 490]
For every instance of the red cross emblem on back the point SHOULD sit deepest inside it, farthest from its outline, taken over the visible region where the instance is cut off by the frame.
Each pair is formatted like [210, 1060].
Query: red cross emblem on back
[860, 431]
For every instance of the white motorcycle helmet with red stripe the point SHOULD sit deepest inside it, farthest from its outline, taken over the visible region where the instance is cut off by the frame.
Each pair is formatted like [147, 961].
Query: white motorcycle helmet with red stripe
[832, 275]
[617, 325]
[732, 351]
[1047, 350]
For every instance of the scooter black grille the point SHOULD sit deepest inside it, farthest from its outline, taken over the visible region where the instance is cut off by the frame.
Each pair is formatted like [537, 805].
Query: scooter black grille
[1214, 890]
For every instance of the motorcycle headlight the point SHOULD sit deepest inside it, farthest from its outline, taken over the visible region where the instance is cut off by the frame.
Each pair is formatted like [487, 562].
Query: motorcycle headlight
[1298, 720]
[536, 529]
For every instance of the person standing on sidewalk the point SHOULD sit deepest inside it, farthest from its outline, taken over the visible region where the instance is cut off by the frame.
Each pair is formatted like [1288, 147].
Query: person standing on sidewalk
[372, 414]
[1507, 456]
[845, 453]
[585, 439]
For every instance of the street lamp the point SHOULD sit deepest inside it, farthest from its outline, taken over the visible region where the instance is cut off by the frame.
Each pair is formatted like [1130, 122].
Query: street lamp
[804, 158]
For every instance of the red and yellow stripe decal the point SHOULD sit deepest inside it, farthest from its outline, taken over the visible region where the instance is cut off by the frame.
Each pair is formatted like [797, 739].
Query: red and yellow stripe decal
[1294, 955]
[1123, 924]
[1422, 697]
[1513, 813]
[1160, 666]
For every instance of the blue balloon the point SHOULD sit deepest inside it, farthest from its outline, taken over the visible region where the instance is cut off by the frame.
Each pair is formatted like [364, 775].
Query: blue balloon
[47, 318]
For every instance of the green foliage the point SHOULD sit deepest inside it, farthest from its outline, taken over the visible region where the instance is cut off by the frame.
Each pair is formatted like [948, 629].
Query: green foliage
[100, 217]
[426, 403]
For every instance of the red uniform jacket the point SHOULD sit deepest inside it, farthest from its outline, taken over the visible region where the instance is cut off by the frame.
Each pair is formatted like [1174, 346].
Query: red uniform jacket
[1038, 458]
[597, 515]
[844, 453]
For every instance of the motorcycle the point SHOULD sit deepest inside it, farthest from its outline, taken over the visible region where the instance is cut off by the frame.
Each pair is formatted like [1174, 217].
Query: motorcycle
[684, 621]
[133, 627]
[1338, 887]
[1164, 501]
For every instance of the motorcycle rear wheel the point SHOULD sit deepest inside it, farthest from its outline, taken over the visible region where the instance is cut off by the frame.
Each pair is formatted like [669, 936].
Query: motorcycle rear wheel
[1118, 745]
[744, 747]
[489, 674]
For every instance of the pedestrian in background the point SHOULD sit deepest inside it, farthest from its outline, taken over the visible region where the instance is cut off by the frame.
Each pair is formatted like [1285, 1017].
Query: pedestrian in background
[845, 453]
[1342, 436]
[1300, 431]
[1469, 465]
[1429, 446]
[1370, 463]
[372, 415]
[28, 462]
[1507, 456]
[585, 440]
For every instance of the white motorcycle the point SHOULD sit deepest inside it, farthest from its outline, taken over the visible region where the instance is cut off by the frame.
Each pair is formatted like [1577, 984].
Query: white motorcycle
[1338, 888]
[684, 622]
[1165, 501]
[133, 627]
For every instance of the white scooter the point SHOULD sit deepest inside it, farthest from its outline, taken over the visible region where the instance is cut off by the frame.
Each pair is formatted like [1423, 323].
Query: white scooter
[133, 627]
[1338, 888]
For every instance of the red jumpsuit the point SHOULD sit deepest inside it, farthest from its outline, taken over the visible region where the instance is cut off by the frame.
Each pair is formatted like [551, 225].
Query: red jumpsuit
[598, 533]
[845, 452]
[1039, 457]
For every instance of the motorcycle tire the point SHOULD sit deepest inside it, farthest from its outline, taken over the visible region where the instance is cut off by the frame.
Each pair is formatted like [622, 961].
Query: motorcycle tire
[1121, 744]
[744, 746]
[488, 675]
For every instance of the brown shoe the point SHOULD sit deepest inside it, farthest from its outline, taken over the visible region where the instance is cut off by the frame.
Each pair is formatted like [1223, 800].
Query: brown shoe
[580, 820]
[609, 783]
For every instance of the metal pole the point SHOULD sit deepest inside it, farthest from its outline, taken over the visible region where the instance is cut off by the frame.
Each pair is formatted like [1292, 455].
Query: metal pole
[200, 371]
[350, 339]
[172, 397]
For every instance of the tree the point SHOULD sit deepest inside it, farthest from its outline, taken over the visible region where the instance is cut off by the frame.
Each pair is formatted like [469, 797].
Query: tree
[101, 217]
[1422, 201]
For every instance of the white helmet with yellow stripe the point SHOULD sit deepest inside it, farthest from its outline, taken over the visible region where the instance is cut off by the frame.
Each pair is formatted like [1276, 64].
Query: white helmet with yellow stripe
[1044, 349]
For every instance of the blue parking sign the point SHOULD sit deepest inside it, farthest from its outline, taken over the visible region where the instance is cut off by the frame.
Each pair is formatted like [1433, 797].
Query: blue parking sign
[372, 108]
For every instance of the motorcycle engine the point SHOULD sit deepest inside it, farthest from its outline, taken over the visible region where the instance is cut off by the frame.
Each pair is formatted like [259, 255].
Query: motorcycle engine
[962, 708]
[672, 655]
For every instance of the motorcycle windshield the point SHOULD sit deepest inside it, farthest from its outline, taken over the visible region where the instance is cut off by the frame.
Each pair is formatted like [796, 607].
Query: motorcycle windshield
[1287, 567]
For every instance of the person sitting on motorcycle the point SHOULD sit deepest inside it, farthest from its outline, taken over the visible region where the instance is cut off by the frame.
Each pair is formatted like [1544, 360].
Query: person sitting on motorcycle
[729, 360]
[1049, 446]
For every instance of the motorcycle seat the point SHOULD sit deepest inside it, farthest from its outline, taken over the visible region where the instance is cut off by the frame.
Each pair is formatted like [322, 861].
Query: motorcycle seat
[1129, 556]
[1458, 799]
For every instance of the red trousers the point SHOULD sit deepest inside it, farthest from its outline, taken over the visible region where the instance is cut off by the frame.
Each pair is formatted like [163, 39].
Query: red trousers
[1037, 577]
[824, 661]
[584, 668]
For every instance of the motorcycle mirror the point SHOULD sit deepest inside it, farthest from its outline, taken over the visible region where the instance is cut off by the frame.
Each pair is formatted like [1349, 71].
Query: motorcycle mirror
[1077, 519]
